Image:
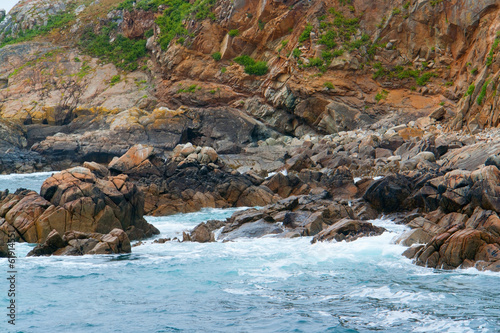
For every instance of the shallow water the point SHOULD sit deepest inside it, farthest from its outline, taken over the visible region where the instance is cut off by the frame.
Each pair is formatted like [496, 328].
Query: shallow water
[251, 285]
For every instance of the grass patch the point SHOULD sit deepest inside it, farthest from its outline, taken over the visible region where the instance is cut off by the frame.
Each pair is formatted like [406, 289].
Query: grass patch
[115, 79]
[470, 90]
[381, 95]
[424, 78]
[306, 33]
[482, 94]
[233, 33]
[191, 89]
[123, 52]
[489, 58]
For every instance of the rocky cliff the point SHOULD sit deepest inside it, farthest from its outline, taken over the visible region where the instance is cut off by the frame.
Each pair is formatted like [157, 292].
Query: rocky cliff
[277, 68]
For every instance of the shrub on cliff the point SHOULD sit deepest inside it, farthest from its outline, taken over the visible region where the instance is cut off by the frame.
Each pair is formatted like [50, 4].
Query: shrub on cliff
[252, 67]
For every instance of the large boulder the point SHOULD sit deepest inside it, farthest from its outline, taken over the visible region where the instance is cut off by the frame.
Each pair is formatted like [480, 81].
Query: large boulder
[76, 200]
[389, 193]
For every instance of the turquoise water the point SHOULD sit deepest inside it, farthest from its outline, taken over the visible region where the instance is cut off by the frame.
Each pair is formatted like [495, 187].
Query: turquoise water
[258, 285]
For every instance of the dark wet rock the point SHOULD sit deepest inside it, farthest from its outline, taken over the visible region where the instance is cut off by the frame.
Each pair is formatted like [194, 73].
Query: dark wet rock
[305, 215]
[255, 229]
[287, 185]
[389, 193]
[493, 160]
[348, 230]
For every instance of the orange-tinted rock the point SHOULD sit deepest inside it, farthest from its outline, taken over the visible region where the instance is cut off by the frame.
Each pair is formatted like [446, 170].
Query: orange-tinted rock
[76, 200]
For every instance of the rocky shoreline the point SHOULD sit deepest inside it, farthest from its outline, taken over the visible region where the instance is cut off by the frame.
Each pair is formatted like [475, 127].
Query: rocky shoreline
[444, 187]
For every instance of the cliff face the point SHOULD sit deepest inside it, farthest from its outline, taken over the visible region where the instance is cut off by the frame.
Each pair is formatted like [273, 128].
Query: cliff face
[319, 66]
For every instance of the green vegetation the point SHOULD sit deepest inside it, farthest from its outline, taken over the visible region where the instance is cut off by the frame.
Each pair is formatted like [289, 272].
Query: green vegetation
[337, 29]
[115, 79]
[473, 71]
[435, 2]
[424, 78]
[296, 53]
[284, 43]
[54, 22]
[470, 90]
[76, 59]
[191, 89]
[84, 70]
[328, 85]
[261, 25]
[244, 60]
[482, 94]
[252, 67]
[489, 58]
[381, 95]
[380, 71]
[401, 73]
[317, 62]
[234, 32]
[122, 52]
[306, 33]
[217, 56]
[223, 70]
[382, 22]
[171, 22]
[396, 11]
[448, 84]
[407, 5]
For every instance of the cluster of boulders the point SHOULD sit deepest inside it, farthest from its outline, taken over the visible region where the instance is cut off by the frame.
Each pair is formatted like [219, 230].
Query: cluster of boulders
[454, 215]
[188, 153]
[81, 243]
[453, 211]
[191, 178]
[74, 200]
[304, 215]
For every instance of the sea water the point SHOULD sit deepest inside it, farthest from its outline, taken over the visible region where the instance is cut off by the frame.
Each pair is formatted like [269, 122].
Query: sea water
[249, 285]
